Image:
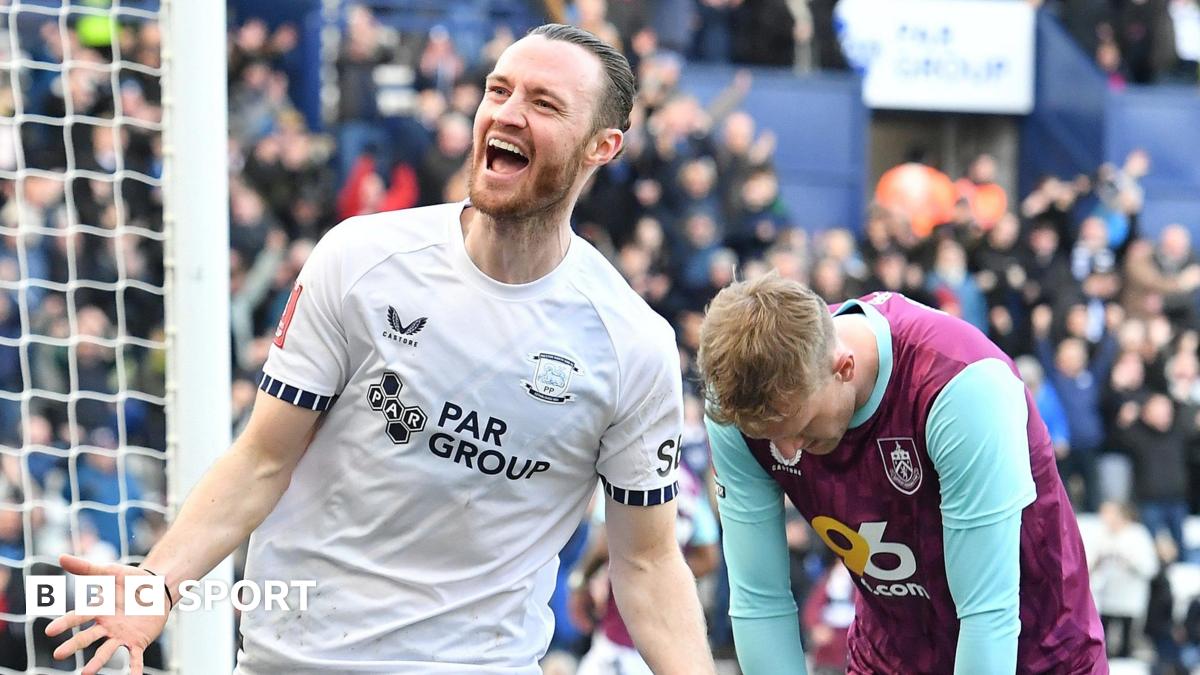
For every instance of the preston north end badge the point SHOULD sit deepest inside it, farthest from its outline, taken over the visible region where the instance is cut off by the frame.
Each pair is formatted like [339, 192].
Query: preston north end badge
[551, 378]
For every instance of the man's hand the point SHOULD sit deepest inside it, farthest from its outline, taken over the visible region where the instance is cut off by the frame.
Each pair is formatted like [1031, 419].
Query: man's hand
[588, 601]
[135, 633]
[821, 635]
[1189, 278]
[580, 608]
[236, 494]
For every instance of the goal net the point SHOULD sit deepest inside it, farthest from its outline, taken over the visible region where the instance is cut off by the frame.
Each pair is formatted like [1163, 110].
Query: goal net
[95, 259]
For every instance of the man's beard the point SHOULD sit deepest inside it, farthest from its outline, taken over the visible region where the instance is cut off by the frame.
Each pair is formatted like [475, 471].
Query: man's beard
[535, 199]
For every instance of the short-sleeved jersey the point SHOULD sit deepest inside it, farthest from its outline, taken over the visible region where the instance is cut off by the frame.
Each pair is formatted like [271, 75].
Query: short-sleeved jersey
[877, 501]
[465, 424]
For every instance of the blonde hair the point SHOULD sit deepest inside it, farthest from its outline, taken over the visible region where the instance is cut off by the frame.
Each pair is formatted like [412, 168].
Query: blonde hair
[764, 344]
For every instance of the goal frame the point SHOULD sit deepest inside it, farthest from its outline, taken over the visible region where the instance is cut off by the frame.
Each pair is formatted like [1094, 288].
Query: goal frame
[196, 265]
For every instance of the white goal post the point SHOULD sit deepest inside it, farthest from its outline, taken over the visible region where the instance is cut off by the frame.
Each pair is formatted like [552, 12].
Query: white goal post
[195, 214]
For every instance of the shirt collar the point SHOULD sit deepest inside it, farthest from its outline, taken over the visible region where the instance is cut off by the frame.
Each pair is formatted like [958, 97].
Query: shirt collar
[883, 341]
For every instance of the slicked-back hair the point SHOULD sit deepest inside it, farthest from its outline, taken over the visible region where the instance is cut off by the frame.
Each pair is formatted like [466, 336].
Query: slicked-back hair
[612, 110]
[765, 346]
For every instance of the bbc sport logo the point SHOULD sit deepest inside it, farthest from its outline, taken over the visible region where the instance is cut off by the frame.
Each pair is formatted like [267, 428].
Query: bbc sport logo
[46, 595]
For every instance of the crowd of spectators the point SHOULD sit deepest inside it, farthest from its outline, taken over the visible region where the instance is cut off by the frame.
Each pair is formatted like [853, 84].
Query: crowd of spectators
[81, 311]
[1137, 41]
[1105, 323]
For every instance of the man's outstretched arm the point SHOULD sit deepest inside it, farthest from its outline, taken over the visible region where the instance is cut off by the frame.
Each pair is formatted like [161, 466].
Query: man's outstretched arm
[655, 590]
[236, 494]
[230, 501]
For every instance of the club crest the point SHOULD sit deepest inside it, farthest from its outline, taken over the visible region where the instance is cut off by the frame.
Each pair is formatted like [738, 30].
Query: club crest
[551, 378]
[901, 462]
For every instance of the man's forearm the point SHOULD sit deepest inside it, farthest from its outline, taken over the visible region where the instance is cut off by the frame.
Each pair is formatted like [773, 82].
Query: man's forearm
[987, 643]
[659, 604]
[233, 498]
[983, 572]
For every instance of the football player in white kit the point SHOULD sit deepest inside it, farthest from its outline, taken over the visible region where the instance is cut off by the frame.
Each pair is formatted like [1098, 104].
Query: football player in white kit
[445, 387]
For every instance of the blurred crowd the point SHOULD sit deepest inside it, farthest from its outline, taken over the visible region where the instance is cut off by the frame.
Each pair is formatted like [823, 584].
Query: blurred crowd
[81, 308]
[1137, 41]
[1104, 321]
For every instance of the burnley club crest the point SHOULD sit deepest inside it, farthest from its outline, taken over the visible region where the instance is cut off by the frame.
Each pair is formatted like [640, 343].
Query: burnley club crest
[901, 462]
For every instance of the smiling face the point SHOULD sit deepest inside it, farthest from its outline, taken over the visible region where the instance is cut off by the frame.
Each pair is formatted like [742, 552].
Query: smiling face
[535, 133]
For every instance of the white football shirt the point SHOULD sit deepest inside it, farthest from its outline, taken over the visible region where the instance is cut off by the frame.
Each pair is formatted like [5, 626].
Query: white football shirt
[466, 422]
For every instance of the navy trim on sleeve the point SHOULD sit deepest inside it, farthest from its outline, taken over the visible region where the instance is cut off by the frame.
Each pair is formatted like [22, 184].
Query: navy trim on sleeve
[653, 497]
[298, 397]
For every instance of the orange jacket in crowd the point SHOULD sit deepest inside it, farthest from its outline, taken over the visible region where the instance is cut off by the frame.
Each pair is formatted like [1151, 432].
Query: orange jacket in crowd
[988, 201]
[920, 193]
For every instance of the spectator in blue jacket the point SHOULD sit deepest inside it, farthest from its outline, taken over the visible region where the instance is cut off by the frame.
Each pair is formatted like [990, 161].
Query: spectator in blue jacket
[1048, 403]
[1079, 381]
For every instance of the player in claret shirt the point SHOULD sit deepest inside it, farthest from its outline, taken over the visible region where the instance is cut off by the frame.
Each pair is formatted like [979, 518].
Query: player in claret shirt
[907, 440]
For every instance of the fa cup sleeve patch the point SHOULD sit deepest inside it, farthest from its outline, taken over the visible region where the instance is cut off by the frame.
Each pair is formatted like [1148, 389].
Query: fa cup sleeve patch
[286, 320]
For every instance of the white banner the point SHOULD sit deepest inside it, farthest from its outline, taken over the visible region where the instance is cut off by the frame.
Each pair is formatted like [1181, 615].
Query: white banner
[946, 55]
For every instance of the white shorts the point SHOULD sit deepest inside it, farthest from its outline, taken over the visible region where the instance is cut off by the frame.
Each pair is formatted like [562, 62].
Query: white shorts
[609, 658]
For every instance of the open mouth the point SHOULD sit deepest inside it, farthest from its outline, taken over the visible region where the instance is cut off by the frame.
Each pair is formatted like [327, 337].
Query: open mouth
[504, 158]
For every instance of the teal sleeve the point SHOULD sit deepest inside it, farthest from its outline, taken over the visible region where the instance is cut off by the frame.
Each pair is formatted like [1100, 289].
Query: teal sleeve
[984, 571]
[977, 439]
[705, 531]
[766, 627]
[769, 646]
